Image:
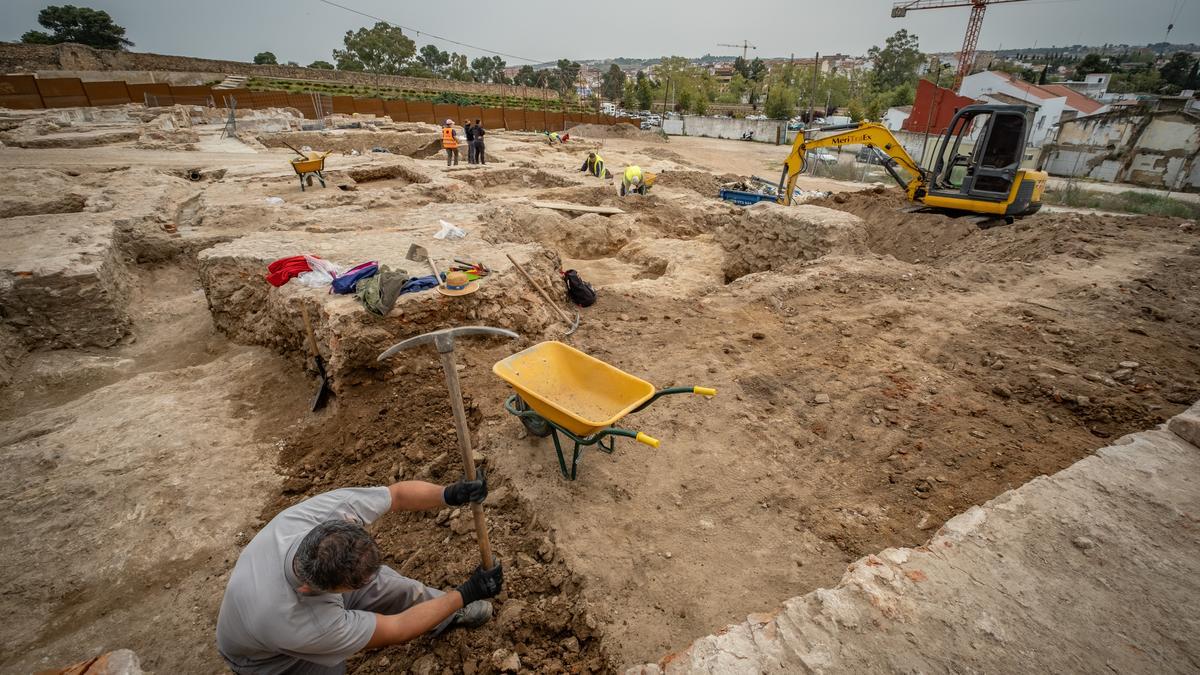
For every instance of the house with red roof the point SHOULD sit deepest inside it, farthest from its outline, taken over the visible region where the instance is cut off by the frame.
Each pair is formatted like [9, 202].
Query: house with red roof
[1053, 103]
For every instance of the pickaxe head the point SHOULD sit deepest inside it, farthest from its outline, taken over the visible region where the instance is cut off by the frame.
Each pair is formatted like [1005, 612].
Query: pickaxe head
[444, 339]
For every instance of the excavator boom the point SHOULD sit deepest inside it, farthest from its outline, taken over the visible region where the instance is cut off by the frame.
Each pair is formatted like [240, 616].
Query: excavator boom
[863, 133]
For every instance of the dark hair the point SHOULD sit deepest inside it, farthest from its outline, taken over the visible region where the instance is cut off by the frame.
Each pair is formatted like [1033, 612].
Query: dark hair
[337, 554]
[476, 121]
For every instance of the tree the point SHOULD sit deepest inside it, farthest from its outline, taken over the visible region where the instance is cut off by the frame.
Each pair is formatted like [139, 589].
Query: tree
[347, 62]
[612, 84]
[781, 103]
[1141, 80]
[629, 94]
[498, 67]
[81, 25]
[526, 76]
[434, 59]
[564, 76]
[458, 68]
[1092, 63]
[700, 105]
[645, 96]
[321, 65]
[896, 62]
[742, 67]
[1178, 70]
[855, 110]
[683, 100]
[265, 59]
[380, 49]
[481, 68]
[758, 70]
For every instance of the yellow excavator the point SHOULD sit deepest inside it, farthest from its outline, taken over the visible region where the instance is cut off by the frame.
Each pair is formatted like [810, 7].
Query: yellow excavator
[988, 181]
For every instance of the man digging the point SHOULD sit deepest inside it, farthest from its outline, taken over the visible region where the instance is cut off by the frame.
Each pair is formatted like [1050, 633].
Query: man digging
[309, 591]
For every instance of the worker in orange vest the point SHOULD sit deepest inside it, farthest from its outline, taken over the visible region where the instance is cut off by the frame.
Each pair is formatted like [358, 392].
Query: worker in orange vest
[450, 142]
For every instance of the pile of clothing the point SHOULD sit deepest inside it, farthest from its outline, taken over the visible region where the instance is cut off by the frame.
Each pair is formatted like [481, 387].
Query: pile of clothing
[376, 286]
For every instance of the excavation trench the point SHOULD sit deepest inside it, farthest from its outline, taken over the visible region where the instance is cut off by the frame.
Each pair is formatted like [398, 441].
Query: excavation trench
[402, 430]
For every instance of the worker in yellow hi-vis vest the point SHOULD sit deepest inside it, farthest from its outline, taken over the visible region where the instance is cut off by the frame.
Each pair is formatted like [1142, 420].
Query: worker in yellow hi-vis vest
[594, 164]
[634, 180]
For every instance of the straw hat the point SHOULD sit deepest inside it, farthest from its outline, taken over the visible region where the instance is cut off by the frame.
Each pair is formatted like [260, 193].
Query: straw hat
[457, 283]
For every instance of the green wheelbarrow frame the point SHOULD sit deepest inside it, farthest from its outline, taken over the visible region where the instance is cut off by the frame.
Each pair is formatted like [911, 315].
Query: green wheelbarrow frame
[541, 427]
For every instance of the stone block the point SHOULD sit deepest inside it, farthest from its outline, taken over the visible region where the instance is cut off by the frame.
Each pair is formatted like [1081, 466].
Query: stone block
[62, 281]
[1186, 425]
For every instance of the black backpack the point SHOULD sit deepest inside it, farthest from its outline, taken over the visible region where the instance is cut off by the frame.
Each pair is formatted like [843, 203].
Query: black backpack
[579, 291]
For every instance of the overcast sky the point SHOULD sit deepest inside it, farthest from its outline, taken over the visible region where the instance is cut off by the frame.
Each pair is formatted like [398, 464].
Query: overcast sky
[541, 30]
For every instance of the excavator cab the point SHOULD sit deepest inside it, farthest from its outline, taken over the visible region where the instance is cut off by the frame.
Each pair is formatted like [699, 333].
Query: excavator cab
[988, 178]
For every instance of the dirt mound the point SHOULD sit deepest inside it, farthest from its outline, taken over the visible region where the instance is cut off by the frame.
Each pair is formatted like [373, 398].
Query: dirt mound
[591, 131]
[585, 237]
[769, 237]
[385, 433]
[927, 237]
[512, 178]
[707, 184]
[391, 171]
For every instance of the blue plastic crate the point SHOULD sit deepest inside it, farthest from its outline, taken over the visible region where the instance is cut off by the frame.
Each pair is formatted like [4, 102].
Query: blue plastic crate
[744, 198]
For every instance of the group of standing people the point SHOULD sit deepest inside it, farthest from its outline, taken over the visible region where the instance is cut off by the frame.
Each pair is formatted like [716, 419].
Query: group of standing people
[474, 132]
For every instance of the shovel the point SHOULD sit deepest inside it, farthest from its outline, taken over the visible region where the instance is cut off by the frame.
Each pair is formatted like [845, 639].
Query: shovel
[323, 384]
[419, 254]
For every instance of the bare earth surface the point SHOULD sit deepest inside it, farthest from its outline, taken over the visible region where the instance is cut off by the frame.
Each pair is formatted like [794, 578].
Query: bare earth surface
[1053, 562]
[878, 373]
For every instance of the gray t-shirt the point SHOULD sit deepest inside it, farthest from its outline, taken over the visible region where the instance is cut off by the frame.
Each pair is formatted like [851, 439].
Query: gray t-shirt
[265, 625]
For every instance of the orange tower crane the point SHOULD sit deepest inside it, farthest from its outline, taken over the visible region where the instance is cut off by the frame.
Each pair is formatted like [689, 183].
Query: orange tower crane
[966, 56]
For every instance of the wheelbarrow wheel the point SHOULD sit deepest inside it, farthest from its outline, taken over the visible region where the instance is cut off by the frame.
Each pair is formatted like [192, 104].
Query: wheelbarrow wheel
[309, 180]
[535, 424]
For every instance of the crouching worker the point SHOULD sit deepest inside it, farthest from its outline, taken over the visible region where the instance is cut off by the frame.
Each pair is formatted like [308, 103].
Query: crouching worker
[594, 164]
[309, 591]
[633, 181]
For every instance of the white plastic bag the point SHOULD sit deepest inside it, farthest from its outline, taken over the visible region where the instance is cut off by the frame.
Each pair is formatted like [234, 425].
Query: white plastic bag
[314, 279]
[275, 201]
[321, 272]
[449, 231]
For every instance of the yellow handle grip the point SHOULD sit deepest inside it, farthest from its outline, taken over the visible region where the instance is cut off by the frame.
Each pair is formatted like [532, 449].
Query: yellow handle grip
[704, 391]
[648, 440]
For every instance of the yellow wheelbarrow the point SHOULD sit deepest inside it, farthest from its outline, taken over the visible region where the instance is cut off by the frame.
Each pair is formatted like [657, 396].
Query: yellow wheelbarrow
[310, 165]
[561, 390]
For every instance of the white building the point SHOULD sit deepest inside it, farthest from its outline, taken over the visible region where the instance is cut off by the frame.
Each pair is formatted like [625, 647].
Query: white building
[894, 118]
[1054, 103]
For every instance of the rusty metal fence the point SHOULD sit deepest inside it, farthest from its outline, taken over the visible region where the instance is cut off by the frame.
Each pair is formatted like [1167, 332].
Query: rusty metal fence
[26, 92]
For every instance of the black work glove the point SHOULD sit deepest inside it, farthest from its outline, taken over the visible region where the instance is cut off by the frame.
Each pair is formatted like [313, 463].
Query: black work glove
[457, 494]
[482, 584]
